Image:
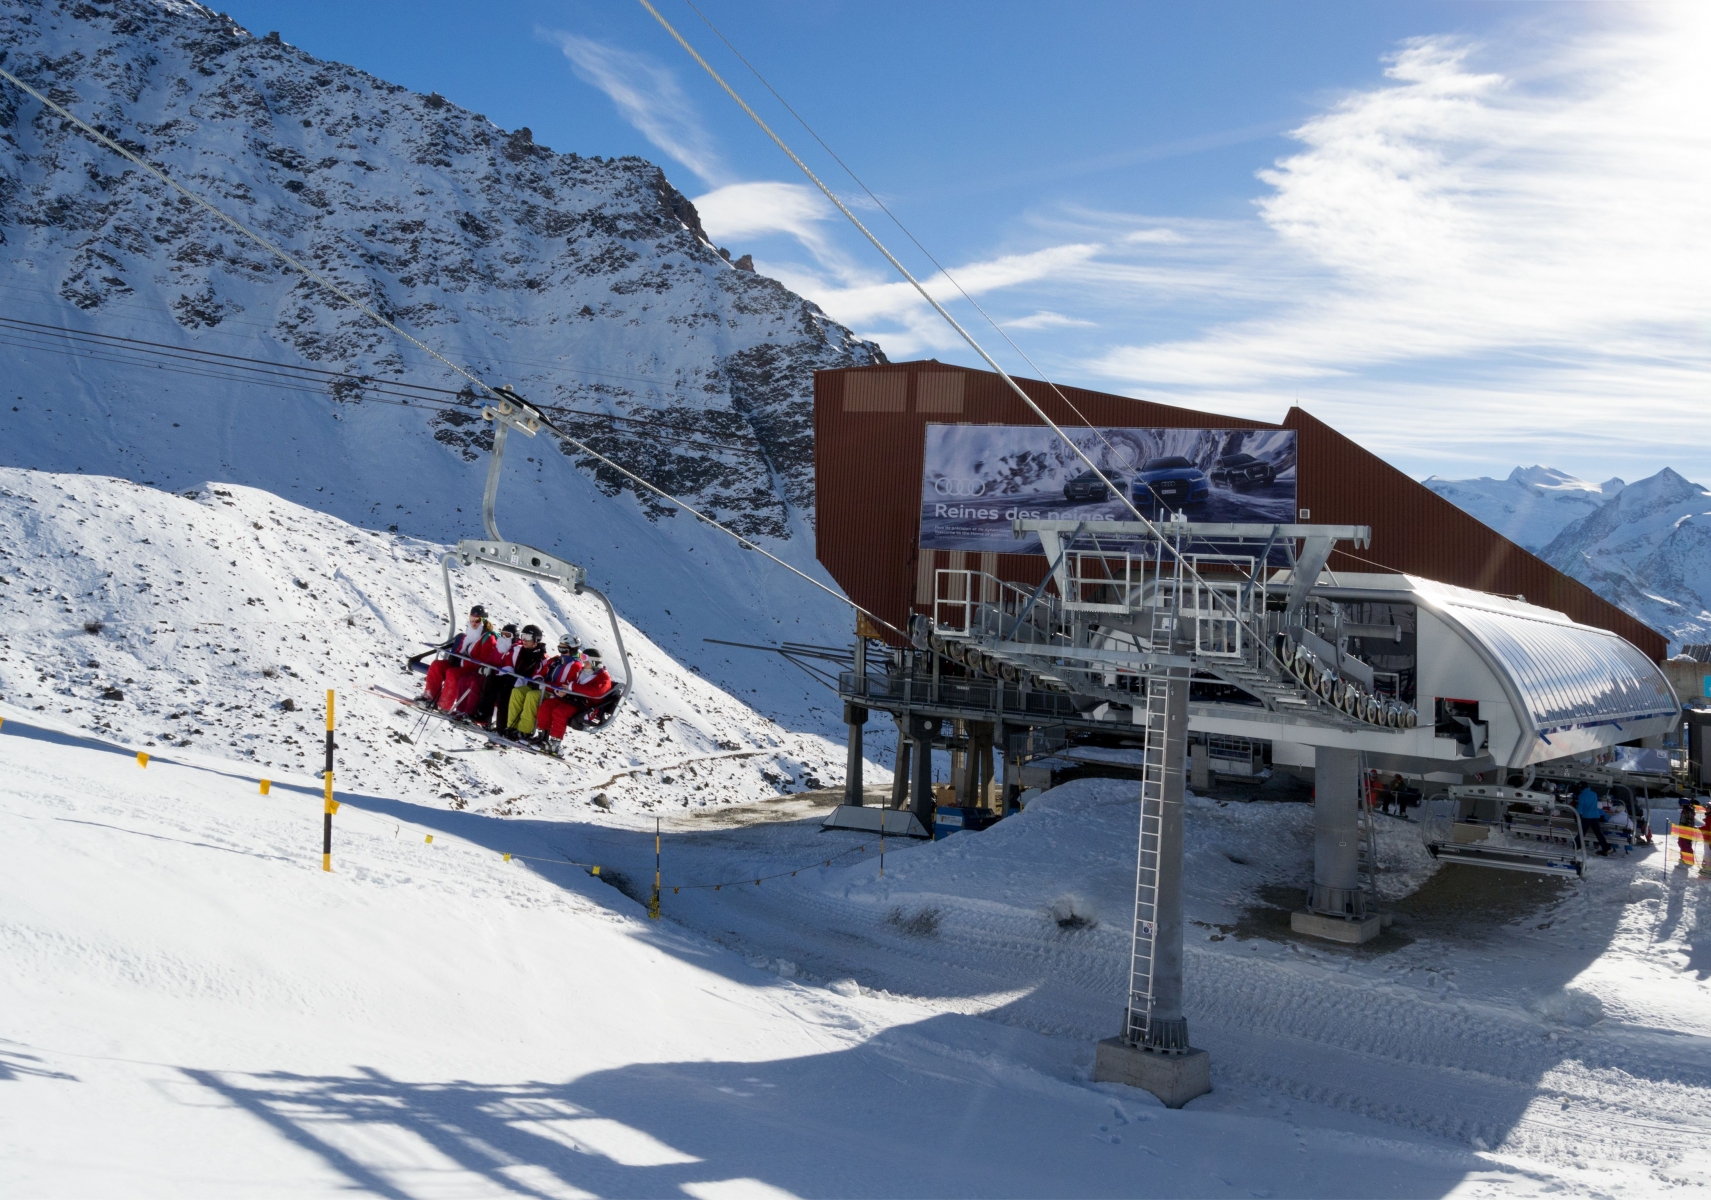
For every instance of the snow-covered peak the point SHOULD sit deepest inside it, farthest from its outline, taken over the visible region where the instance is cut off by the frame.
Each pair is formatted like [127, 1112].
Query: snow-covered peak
[1647, 549]
[1549, 479]
[1529, 507]
[583, 281]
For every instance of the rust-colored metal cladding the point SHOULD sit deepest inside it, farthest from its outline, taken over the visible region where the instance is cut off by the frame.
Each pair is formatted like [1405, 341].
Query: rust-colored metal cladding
[1417, 531]
[869, 438]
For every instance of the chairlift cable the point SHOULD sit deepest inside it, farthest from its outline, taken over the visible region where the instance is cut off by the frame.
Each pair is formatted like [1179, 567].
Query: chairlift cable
[184, 361]
[310, 273]
[895, 220]
[1175, 551]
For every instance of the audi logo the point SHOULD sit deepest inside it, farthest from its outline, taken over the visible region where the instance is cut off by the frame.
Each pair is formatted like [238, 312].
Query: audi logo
[960, 487]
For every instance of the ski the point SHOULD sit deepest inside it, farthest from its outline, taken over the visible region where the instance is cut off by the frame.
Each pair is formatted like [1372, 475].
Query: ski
[494, 740]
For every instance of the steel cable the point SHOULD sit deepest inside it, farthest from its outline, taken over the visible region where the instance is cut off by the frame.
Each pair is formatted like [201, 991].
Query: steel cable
[310, 273]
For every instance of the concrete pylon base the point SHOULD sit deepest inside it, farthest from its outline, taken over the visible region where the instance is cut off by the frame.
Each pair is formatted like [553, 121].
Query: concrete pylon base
[1173, 1078]
[1336, 929]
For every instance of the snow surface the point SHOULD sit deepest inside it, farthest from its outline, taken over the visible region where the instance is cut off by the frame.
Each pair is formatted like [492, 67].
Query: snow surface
[192, 1007]
[1529, 507]
[585, 282]
[214, 610]
[432, 1020]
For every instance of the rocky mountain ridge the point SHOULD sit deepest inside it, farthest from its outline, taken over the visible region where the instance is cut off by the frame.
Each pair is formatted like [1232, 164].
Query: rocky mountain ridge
[1531, 505]
[587, 283]
[148, 341]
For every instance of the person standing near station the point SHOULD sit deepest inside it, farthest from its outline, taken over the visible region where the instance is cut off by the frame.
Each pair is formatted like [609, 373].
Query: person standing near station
[1592, 816]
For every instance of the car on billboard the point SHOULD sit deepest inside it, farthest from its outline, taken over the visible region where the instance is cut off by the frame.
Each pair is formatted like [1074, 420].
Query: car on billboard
[1171, 483]
[1242, 472]
[1092, 486]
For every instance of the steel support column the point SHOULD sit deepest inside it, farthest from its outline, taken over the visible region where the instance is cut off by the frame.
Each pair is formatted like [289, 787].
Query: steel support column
[921, 791]
[854, 718]
[1336, 890]
[1155, 1020]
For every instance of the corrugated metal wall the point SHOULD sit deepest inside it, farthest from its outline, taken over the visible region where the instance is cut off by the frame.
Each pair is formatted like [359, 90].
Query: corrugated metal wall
[869, 438]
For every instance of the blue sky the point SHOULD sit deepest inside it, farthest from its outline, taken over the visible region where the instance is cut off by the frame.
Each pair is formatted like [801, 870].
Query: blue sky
[1468, 235]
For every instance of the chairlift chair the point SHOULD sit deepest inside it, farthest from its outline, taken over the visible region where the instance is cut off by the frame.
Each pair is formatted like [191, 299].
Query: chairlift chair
[1507, 828]
[512, 411]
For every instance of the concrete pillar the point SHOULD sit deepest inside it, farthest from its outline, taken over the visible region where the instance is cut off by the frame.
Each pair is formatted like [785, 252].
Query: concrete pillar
[1200, 767]
[900, 770]
[1012, 770]
[1336, 833]
[1336, 906]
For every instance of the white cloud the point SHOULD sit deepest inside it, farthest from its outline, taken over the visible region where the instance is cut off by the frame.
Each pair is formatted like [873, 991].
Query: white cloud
[749, 210]
[649, 98]
[1536, 236]
[1045, 319]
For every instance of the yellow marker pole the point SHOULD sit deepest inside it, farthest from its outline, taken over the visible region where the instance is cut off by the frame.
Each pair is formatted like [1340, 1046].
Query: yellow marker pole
[142, 758]
[653, 904]
[328, 808]
[266, 786]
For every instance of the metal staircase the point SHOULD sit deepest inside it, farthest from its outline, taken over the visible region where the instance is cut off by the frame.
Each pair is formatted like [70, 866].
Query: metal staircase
[1114, 614]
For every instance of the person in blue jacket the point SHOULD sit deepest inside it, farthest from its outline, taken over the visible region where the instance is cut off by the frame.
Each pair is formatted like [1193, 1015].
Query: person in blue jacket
[1592, 816]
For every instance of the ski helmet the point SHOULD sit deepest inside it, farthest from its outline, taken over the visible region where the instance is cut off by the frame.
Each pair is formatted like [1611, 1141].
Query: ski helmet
[510, 629]
[532, 631]
[478, 610]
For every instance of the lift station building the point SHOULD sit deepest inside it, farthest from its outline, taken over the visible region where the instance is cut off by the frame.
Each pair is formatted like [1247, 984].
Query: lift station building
[922, 470]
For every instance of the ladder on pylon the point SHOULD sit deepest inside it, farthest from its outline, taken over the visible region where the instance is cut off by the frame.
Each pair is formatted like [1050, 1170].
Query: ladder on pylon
[1144, 957]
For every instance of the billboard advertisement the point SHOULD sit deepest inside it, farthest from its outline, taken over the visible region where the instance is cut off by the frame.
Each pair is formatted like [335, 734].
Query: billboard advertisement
[977, 479]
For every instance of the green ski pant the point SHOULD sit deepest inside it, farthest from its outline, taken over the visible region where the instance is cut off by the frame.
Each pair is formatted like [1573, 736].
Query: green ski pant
[521, 714]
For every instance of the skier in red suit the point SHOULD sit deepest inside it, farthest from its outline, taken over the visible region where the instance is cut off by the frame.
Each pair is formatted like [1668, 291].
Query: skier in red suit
[586, 686]
[556, 676]
[454, 678]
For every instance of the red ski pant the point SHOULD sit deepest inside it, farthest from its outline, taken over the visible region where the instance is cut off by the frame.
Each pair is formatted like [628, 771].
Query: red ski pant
[555, 714]
[456, 687]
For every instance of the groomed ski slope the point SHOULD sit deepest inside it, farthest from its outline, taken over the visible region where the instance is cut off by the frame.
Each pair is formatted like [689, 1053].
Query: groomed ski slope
[191, 1007]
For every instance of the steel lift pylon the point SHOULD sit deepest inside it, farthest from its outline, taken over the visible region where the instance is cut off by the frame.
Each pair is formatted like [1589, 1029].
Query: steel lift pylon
[1140, 612]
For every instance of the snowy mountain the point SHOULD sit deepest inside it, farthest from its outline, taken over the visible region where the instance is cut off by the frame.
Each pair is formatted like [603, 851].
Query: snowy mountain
[1648, 550]
[1531, 506]
[586, 283]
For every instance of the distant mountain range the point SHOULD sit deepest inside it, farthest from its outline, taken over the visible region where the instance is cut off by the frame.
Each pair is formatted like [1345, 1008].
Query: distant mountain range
[1644, 546]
